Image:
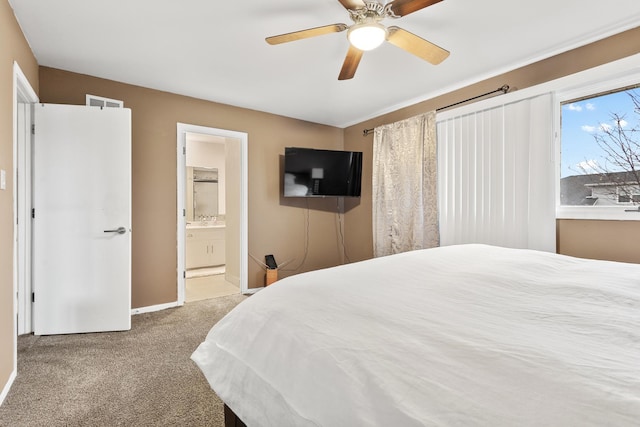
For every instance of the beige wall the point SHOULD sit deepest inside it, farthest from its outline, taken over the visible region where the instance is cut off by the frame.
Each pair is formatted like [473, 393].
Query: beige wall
[608, 240]
[13, 47]
[273, 227]
[358, 220]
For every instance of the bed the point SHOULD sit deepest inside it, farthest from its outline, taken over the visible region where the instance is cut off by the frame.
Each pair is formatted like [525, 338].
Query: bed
[467, 335]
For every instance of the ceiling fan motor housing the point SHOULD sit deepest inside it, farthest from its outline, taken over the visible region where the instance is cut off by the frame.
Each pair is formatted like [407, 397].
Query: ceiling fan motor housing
[372, 10]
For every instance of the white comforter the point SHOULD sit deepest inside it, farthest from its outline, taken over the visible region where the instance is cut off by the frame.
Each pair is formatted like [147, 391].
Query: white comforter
[468, 335]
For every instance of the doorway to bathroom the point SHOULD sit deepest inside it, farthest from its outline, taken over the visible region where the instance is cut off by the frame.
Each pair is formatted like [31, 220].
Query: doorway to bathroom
[211, 213]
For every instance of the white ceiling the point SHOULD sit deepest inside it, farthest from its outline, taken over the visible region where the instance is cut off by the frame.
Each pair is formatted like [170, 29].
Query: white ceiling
[215, 50]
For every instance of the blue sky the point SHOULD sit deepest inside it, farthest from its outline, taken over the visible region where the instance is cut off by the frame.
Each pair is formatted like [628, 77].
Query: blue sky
[581, 120]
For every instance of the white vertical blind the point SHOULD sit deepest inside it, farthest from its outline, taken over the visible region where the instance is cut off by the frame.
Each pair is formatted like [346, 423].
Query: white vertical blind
[496, 176]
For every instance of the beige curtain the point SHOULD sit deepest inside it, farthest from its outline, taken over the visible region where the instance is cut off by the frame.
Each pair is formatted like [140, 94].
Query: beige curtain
[405, 210]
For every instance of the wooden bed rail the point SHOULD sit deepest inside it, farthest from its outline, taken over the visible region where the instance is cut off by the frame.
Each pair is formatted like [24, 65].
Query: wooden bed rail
[231, 419]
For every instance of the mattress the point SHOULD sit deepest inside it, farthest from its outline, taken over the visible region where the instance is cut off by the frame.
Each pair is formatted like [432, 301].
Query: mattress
[468, 335]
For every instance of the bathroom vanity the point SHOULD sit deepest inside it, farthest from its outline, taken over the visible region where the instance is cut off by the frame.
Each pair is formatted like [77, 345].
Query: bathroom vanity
[205, 244]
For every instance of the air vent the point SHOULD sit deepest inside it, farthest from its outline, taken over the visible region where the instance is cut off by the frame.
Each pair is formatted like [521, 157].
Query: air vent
[99, 101]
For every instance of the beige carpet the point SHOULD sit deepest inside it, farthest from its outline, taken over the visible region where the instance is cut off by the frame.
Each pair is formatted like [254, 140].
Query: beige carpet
[142, 377]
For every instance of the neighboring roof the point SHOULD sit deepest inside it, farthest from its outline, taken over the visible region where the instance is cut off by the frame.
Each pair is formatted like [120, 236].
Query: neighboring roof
[576, 190]
[613, 178]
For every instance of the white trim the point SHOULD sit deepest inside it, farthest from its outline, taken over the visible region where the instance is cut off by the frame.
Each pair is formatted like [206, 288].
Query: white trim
[152, 308]
[25, 89]
[21, 90]
[243, 137]
[615, 213]
[7, 387]
[182, 220]
[600, 85]
[557, 148]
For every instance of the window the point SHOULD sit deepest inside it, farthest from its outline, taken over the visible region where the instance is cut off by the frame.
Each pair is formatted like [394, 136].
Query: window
[628, 198]
[600, 152]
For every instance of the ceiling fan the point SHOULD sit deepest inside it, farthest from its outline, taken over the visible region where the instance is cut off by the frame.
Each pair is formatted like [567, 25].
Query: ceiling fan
[367, 32]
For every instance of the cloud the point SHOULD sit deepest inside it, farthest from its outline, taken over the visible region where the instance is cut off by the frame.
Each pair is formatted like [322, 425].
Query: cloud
[604, 127]
[578, 108]
[588, 166]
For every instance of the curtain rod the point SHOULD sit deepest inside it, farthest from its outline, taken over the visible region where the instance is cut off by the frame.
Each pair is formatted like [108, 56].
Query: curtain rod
[504, 89]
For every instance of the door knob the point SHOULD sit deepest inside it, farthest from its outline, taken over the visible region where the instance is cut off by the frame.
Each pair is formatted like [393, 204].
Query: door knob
[119, 230]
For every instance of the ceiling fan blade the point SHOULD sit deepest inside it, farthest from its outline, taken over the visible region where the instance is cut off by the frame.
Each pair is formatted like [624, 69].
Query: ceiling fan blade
[350, 64]
[352, 4]
[416, 45]
[303, 34]
[405, 7]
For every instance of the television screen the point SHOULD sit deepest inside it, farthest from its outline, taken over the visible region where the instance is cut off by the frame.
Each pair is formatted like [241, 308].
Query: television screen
[321, 173]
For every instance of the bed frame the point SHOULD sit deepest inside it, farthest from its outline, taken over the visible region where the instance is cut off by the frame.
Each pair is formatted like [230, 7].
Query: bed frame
[231, 419]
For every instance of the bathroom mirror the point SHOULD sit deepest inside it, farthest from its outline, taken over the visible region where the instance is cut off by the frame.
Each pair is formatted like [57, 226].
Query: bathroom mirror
[204, 194]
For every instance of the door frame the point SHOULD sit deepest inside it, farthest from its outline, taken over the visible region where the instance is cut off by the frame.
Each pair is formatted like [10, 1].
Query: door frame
[243, 137]
[23, 93]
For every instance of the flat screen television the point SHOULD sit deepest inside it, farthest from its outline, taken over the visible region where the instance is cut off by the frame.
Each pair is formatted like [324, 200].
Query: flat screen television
[311, 172]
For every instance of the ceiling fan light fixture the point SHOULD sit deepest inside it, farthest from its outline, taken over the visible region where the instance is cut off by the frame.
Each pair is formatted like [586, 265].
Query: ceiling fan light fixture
[367, 36]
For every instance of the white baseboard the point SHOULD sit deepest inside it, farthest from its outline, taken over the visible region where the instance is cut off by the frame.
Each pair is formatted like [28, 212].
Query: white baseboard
[7, 386]
[153, 308]
[159, 307]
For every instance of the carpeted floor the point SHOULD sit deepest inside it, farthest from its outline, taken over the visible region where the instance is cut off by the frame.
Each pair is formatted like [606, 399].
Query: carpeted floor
[142, 377]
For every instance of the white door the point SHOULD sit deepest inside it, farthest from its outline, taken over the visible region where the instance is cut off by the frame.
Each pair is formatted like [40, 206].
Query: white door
[82, 219]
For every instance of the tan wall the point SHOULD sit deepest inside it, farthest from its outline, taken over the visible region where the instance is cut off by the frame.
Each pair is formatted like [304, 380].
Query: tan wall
[358, 223]
[608, 240]
[13, 47]
[273, 227]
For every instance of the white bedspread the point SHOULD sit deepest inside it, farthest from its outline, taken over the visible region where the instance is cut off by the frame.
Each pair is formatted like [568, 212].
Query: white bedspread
[468, 335]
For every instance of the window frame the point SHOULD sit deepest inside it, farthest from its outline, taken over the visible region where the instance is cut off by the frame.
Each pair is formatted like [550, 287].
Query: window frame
[617, 79]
